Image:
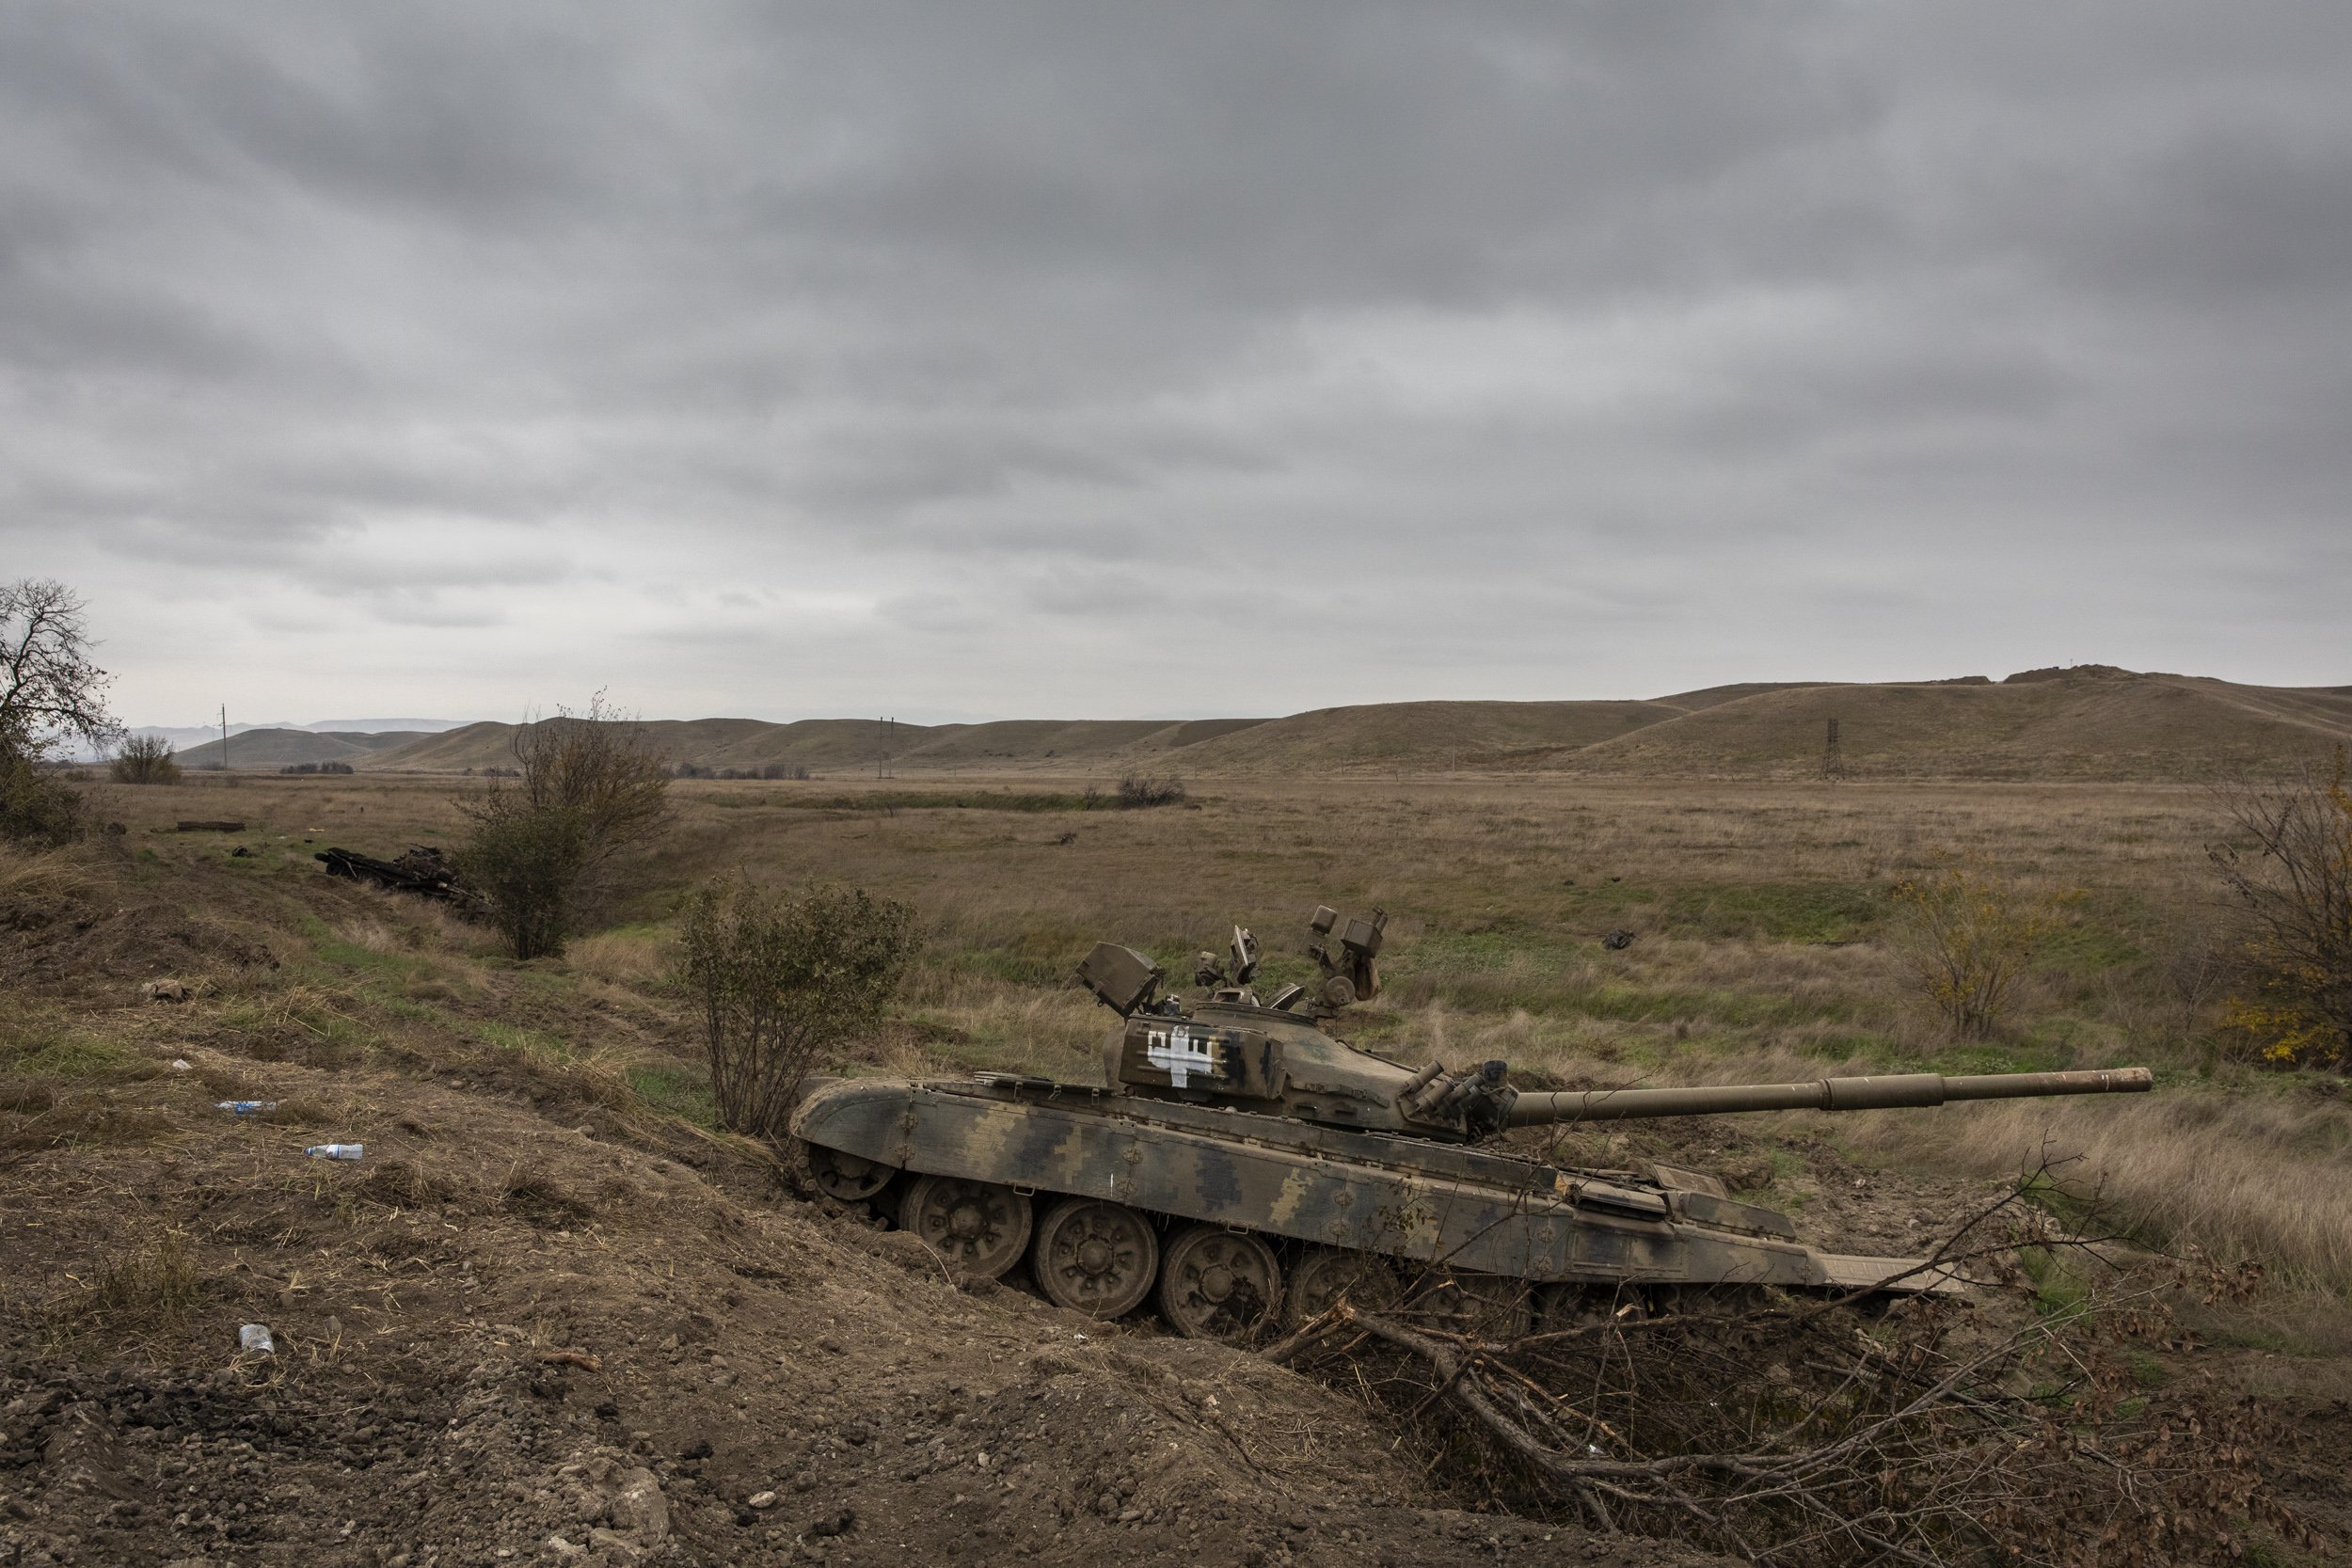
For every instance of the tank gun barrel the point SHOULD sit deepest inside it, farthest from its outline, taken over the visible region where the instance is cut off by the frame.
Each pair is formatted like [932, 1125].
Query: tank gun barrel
[1825, 1094]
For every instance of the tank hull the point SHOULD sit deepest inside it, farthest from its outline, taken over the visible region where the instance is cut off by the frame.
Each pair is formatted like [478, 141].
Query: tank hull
[1402, 1198]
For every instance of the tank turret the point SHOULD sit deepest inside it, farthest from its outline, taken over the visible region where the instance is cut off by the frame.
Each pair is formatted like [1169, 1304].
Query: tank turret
[1278, 1057]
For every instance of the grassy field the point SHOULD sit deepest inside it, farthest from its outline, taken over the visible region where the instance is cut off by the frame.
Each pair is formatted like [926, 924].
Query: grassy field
[1764, 948]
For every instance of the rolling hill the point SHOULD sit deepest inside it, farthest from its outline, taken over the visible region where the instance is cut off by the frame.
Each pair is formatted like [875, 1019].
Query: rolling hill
[2089, 722]
[276, 747]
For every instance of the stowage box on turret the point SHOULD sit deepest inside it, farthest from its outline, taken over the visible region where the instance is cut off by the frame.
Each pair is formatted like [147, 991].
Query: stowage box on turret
[1250, 1165]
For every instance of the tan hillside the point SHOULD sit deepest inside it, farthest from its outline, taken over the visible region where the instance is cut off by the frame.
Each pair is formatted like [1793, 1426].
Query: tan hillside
[2089, 723]
[1432, 736]
[285, 748]
[2097, 726]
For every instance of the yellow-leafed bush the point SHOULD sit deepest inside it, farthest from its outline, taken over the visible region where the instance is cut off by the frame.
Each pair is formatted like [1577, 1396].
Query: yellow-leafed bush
[2290, 875]
[1969, 936]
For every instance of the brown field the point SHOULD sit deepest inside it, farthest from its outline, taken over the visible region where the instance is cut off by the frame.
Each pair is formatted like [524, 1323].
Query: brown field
[1761, 915]
[1763, 950]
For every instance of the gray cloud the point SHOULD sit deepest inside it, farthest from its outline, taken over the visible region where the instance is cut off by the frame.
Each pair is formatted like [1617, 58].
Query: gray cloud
[1006, 360]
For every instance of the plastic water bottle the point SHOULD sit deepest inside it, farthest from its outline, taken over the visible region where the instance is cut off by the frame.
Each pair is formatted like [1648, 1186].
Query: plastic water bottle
[337, 1152]
[245, 1107]
[255, 1337]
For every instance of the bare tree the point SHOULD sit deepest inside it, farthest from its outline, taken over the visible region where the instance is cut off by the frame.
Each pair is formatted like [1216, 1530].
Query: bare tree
[50, 692]
[2289, 874]
[51, 689]
[589, 786]
[144, 759]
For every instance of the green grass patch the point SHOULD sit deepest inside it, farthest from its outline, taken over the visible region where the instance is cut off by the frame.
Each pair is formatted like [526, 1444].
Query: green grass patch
[522, 1042]
[74, 1057]
[1815, 913]
[1043, 956]
[365, 960]
[2090, 947]
[932, 799]
[2060, 1292]
[679, 1091]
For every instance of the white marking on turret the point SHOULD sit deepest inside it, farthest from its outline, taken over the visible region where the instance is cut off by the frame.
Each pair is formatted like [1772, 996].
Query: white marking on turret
[1178, 1052]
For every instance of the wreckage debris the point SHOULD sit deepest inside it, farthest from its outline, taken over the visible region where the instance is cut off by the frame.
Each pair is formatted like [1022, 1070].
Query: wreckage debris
[423, 870]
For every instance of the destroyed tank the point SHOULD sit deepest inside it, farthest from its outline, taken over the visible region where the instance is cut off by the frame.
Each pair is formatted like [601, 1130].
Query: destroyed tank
[1247, 1165]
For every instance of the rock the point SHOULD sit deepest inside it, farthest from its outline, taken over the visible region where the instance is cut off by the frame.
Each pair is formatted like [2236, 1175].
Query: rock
[698, 1448]
[611, 1547]
[639, 1508]
[836, 1521]
[166, 990]
[761, 1500]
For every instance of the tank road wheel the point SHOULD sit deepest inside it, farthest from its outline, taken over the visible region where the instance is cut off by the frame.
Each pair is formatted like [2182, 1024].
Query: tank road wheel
[1095, 1257]
[1564, 1307]
[978, 1227]
[1489, 1305]
[849, 1178]
[1325, 1274]
[1218, 1284]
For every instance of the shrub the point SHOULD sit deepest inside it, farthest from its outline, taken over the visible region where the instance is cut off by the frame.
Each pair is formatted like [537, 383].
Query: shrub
[1969, 935]
[2292, 886]
[780, 980]
[590, 786]
[310, 768]
[37, 806]
[765, 770]
[528, 865]
[1141, 789]
[144, 759]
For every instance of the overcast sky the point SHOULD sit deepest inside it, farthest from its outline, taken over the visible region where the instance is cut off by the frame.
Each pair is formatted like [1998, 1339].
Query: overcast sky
[970, 361]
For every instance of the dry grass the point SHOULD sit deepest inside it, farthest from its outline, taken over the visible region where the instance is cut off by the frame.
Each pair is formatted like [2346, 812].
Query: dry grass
[144, 1285]
[1761, 915]
[2243, 1176]
[34, 887]
[635, 956]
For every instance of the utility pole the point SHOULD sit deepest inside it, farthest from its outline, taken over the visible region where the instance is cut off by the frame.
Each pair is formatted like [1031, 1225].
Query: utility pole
[1832, 759]
[885, 733]
[224, 738]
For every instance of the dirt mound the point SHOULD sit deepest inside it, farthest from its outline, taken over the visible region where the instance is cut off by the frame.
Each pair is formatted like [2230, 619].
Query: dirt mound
[70, 925]
[500, 1339]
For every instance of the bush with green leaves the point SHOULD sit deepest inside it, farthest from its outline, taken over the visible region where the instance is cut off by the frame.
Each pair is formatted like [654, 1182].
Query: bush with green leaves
[540, 851]
[37, 807]
[780, 979]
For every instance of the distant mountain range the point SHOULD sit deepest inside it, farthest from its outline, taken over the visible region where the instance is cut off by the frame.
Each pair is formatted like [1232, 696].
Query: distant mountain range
[2087, 722]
